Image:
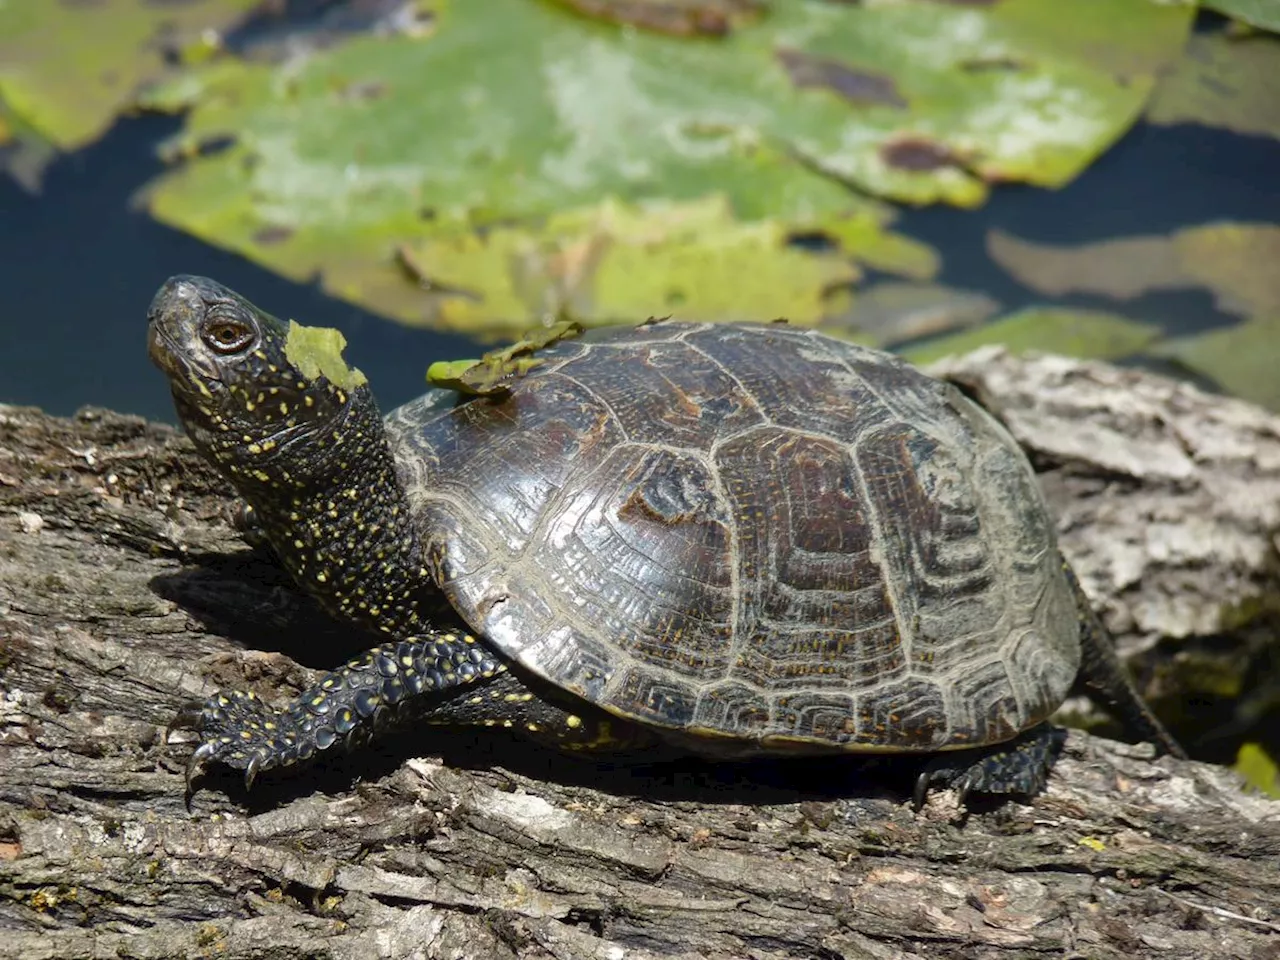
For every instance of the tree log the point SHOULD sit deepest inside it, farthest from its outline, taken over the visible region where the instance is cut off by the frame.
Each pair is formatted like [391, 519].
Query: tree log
[125, 591]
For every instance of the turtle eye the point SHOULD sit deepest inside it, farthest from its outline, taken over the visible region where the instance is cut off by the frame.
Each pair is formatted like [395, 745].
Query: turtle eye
[226, 335]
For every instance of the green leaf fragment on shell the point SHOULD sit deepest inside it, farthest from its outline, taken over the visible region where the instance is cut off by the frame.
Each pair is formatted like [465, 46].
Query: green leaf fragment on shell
[493, 374]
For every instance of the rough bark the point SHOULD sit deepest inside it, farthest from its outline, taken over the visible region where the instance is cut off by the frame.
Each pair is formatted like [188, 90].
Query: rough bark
[125, 591]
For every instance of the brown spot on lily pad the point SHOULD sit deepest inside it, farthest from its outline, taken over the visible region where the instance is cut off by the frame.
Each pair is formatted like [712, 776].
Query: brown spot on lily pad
[363, 90]
[269, 236]
[992, 64]
[918, 155]
[859, 87]
[678, 18]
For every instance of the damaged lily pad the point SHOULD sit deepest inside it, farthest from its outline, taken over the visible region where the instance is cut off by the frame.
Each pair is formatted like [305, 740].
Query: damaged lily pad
[1242, 359]
[69, 69]
[1088, 334]
[1223, 81]
[1236, 261]
[514, 111]
[889, 313]
[1263, 14]
[619, 264]
[679, 18]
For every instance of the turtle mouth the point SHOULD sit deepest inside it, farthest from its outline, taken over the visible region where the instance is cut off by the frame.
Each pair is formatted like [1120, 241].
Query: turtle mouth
[185, 372]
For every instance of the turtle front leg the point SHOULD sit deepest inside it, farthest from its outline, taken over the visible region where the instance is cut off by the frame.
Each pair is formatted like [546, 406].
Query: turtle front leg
[421, 678]
[367, 693]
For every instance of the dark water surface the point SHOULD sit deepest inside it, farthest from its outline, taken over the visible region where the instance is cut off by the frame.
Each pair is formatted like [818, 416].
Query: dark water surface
[78, 268]
[78, 264]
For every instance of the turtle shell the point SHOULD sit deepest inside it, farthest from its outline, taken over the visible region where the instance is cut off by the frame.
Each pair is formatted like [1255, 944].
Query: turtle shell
[754, 537]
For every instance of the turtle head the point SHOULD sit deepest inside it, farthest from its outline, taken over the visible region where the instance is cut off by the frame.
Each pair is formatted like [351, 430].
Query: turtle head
[250, 389]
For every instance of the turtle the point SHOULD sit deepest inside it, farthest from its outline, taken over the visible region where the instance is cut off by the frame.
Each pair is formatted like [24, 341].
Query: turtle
[728, 539]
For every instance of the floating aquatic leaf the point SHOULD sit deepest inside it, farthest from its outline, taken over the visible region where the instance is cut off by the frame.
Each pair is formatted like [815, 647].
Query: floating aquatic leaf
[889, 313]
[513, 110]
[24, 153]
[1235, 261]
[1075, 333]
[1263, 14]
[618, 263]
[68, 69]
[1223, 81]
[1242, 359]
[863, 236]
[680, 18]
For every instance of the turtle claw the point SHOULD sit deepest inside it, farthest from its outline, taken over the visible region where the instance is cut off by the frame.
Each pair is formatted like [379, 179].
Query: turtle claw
[1018, 767]
[188, 717]
[195, 766]
[251, 770]
[236, 729]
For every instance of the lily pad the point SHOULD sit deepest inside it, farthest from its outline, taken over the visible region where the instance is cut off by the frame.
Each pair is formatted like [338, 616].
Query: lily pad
[1242, 359]
[620, 264]
[1263, 14]
[1234, 260]
[68, 69]
[24, 153]
[863, 237]
[1223, 81]
[513, 111]
[890, 313]
[680, 18]
[1088, 334]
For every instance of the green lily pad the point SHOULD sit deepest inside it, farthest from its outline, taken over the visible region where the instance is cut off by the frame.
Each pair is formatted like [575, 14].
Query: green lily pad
[1234, 260]
[512, 111]
[26, 153]
[1088, 334]
[68, 69]
[1223, 81]
[1263, 14]
[679, 18]
[620, 264]
[889, 313]
[863, 236]
[1242, 359]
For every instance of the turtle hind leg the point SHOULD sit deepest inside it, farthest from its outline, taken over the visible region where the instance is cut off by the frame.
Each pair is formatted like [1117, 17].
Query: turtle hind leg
[1017, 767]
[1105, 680]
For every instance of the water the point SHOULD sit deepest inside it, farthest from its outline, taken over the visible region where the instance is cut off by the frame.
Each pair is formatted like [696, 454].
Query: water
[78, 268]
[1154, 181]
[78, 264]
